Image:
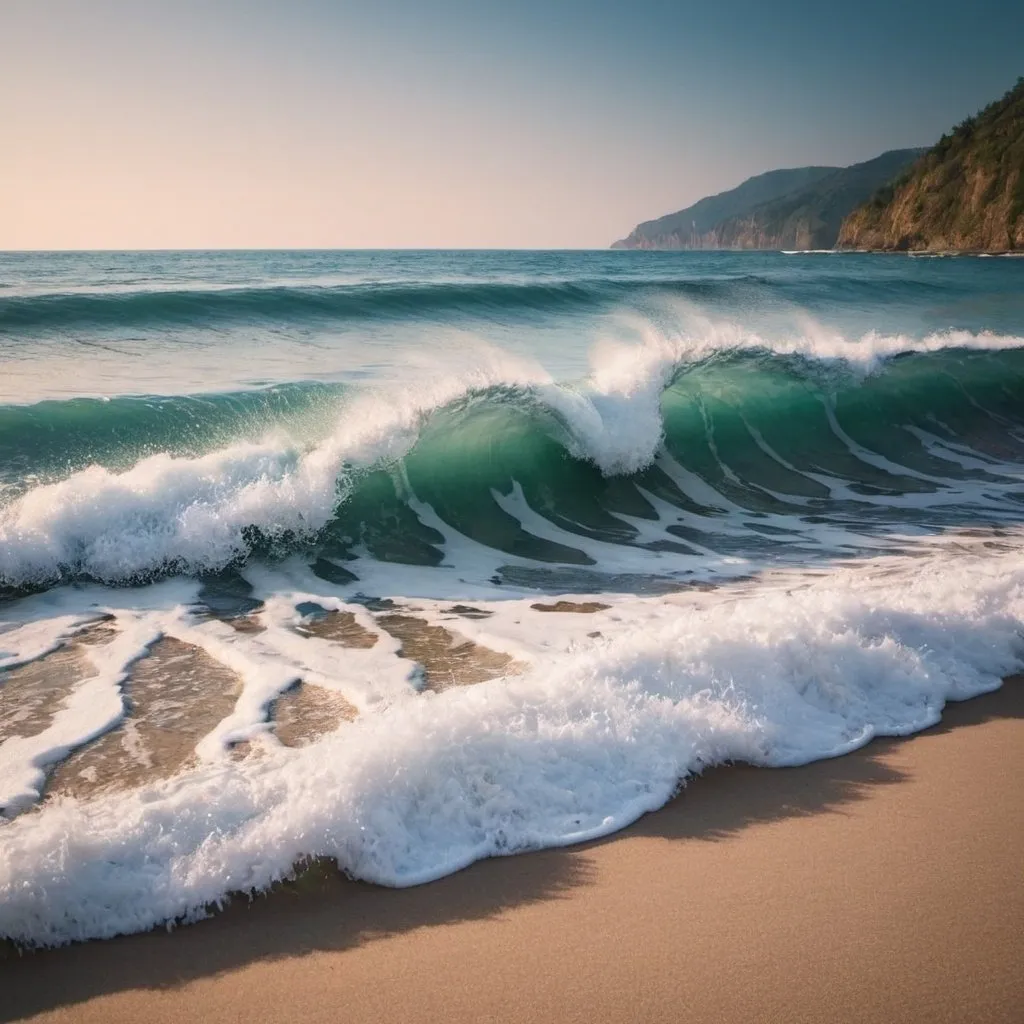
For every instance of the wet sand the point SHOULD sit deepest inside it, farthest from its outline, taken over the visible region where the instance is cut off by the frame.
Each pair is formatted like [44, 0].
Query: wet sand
[887, 885]
[445, 658]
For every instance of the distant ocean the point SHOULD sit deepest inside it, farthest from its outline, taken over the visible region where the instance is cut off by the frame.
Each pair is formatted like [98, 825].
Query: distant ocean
[408, 559]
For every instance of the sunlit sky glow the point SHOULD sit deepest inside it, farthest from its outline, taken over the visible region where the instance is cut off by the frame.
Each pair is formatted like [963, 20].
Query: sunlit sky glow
[454, 123]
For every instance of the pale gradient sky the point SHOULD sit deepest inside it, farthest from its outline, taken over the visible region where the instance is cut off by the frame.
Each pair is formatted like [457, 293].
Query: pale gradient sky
[454, 123]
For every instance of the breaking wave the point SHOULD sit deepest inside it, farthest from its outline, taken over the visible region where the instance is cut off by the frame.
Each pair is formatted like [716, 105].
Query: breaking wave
[757, 420]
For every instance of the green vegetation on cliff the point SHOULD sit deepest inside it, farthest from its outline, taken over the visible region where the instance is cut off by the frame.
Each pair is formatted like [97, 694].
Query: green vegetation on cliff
[965, 194]
[801, 208]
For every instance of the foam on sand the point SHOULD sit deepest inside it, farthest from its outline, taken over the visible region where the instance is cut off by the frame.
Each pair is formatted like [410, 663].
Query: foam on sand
[593, 733]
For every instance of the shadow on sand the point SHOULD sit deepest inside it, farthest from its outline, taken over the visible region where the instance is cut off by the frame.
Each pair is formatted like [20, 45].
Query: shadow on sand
[323, 911]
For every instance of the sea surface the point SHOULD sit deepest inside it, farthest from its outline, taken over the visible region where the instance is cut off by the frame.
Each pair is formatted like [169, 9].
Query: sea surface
[408, 559]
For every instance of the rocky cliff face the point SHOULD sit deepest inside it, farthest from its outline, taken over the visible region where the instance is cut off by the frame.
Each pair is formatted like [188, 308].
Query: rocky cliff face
[810, 218]
[801, 208]
[964, 194]
[701, 226]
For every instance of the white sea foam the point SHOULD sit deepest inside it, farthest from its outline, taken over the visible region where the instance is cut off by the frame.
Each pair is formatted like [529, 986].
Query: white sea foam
[594, 733]
[688, 335]
[24, 641]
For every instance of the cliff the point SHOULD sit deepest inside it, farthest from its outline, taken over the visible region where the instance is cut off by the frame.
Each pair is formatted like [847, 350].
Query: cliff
[696, 226]
[801, 208]
[964, 194]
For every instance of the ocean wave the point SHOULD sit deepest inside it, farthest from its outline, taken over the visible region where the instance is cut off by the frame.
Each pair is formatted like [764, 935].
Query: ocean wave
[64, 311]
[713, 516]
[322, 302]
[311, 302]
[756, 418]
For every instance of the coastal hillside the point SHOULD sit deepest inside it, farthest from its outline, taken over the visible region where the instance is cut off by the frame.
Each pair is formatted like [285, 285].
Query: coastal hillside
[695, 227]
[966, 193]
[801, 208]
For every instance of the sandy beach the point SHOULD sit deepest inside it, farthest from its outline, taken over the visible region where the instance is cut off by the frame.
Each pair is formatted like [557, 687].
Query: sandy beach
[881, 886]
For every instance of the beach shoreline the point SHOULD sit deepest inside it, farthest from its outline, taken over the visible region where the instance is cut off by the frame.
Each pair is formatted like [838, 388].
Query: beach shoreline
[882, 885]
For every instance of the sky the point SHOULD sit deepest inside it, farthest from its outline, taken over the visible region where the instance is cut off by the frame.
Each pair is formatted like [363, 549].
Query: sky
[455, 123]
